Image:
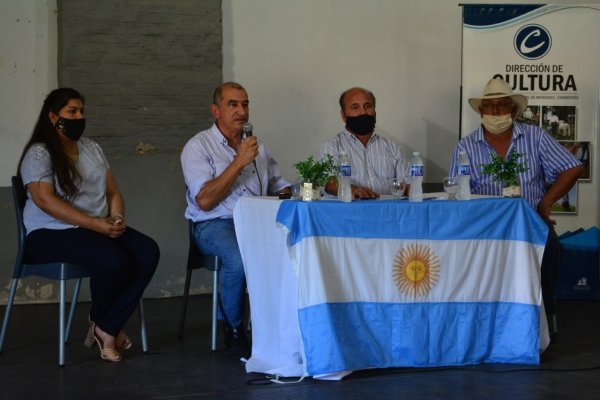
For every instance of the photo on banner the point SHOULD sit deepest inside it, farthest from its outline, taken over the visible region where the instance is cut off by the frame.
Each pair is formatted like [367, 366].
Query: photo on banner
[581, 151]
[566, 204]
[531, 115]
[559, 121]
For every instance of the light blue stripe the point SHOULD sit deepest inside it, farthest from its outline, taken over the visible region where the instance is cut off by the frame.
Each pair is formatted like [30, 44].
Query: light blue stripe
[479, 219]
[352, 336]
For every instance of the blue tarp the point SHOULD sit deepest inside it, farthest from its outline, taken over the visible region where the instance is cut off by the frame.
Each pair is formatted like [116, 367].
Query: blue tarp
[569, 233]
[580, 263]
[586, 240]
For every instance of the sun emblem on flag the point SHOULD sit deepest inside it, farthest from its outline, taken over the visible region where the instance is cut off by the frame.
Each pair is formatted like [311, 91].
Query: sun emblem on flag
[416, 270]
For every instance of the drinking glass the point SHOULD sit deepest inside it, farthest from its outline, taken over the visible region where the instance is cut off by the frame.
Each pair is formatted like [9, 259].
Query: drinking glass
[451, 186]
[296, 195]
[397, 186]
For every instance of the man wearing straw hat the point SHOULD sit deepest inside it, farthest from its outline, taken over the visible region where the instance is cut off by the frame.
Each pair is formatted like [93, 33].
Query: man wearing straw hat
[547, 163]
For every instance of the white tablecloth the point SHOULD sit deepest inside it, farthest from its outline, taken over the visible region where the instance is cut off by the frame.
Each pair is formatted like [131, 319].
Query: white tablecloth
[276, 343]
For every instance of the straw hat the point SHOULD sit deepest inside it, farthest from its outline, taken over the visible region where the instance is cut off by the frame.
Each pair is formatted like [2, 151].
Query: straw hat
[497, 88]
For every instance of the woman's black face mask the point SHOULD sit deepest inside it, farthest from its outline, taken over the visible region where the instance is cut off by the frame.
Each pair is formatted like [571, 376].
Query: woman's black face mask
[71, 128]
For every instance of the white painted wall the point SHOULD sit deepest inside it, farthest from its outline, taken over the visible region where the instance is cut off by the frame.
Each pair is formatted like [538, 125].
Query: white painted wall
[295, 57]
[28, 54]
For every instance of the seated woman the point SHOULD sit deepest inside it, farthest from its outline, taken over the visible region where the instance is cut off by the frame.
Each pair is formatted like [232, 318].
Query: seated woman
[74, 213]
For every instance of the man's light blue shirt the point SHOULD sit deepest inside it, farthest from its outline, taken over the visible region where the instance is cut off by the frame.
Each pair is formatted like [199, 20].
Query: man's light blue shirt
[206, 155]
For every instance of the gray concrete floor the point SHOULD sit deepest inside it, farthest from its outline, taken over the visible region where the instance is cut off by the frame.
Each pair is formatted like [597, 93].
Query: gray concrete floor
[187, 369]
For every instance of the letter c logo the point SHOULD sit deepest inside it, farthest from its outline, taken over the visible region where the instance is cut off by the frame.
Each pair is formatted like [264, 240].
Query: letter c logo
[532, 42]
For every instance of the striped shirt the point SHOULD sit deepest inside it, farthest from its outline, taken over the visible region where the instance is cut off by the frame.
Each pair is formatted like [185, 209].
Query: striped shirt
[372, 166]
[545, 159]
[206, 155]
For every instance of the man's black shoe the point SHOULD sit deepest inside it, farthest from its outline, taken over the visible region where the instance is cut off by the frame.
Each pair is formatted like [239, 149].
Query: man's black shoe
[235, 339]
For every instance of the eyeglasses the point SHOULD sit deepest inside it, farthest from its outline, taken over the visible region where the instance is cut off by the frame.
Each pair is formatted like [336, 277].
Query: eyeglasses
[500, 106]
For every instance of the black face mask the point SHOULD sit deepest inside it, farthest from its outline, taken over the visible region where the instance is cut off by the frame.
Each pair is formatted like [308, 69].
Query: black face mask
[361, 125]
[71, 128]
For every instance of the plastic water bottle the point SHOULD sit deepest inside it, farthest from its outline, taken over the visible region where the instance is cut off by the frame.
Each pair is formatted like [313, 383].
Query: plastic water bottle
[344, 177]
[416, 174]
[464, 177]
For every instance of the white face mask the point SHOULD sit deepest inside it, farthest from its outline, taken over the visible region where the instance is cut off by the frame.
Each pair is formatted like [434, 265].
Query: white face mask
[497, 124]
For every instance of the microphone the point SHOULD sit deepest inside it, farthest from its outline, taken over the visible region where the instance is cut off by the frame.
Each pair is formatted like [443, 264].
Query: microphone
[247, 129]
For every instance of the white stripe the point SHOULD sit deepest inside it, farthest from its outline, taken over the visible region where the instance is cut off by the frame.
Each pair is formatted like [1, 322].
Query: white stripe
[361, 270]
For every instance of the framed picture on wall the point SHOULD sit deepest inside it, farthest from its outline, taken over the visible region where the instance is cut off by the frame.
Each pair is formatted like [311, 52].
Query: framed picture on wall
[568, 203]
[582, 151]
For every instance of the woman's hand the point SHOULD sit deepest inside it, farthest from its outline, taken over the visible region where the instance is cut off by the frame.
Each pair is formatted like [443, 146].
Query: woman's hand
[43, 195]
[118, 221]
[110, 226]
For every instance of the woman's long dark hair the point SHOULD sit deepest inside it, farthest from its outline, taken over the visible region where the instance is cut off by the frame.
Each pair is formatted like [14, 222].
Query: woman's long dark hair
[44, 132]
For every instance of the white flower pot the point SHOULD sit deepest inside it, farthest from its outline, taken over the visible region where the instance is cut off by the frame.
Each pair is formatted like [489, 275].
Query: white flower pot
[511, 191]
[309, 193]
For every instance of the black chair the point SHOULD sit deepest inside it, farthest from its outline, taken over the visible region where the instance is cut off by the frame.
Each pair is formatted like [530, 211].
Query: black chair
[60, 271]
[198, 260]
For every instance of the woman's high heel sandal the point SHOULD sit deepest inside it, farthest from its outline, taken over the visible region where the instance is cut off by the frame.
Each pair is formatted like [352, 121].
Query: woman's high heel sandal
[111, 355]
[90, 340]
[123, 341]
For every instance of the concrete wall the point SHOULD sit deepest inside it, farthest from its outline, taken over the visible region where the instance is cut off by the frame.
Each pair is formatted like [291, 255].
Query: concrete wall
[28, 45]
[147, 70]
[146, 67]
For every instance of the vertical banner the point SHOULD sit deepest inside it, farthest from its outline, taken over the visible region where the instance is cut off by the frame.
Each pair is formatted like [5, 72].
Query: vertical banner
[550, 54]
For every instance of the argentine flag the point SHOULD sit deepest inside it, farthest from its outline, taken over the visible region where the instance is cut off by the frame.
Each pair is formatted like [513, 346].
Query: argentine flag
[388, 283]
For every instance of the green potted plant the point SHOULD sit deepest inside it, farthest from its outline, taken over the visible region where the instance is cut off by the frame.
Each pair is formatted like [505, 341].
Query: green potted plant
[314, 175]
[506, 170]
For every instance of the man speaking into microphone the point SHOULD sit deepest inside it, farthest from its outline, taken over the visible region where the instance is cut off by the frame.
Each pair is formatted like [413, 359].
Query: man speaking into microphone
[220, 165]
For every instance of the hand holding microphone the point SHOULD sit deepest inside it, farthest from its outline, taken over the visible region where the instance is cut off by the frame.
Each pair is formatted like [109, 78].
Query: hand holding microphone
[248, 149]
[247, 131]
